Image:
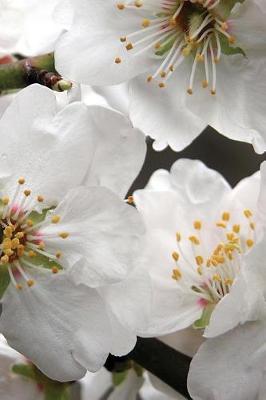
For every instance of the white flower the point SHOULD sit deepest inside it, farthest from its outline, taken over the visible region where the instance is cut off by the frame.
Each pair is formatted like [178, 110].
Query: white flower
[199, 235]
[231, 366]
[175, 45]
[13, 386]
[30, 27]
[63, 235]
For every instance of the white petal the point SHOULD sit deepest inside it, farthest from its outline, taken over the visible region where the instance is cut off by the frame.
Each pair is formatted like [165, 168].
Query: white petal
[186, 341]
[160, 114]
[226, 368]
[120, 151]
[104, 235]
[94, 386]
[62, 328]
[49, 147]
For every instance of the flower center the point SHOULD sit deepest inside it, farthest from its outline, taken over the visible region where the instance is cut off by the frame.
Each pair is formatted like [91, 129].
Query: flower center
[210, 274]
[176, 30]
[22, 243]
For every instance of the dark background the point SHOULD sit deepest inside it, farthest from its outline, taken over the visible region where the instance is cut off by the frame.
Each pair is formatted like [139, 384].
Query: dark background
[234, 160]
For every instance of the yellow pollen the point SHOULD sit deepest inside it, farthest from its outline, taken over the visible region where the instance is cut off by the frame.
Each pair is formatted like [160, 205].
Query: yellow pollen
[199, 260]
[55, 270]
[27, 192]
[204, 84]
[228, 282]
[55, 219]
[252, 225]
[213, 92]
[157, 45]
[4, 259]
[32, 253]
[190, 91]
[163, 74]
[130, 200]
[230, 236]
[29, 223]
[63, 235]
[236, 228]
[161, 85]
[123, 39]
[30, 282]
[221, 225]
[226, 216]
[120, 6]
[20, 250]
[58, 254]
[177, 275]
[199, 270]
[8, 252]
[129, 46]
[19, 235]
[7, 243]
[197, 225]
[138, 3]
[21, 181]
[178, 237]
[175, 256]
[15, 243]
[40, 199]
[216, 278]
[18, 286]
[149, 78]
[232, 39]
[5, 201]
[250, 242]
[118, 60]
[145, 23]
[194, 240]
[247, 213]
[8, 232]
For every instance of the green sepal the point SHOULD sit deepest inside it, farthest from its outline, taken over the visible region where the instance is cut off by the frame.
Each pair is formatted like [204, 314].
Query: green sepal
[4, 279]
[56, 391]
[205, 317]
[229, 50]
[225, 7]
[119, 377]
[166, 45]
[138, 369]
[25, 370]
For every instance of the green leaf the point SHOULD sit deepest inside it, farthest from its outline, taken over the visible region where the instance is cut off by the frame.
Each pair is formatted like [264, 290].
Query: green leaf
[225, 7]
[119, 377]
[229, 50]
[4, 279]
[205, 317]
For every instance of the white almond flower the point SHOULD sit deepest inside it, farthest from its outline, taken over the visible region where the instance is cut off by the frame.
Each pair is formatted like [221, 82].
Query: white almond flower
[30, 27]
[13, 386]
[63, 236]
[199, 235]
[171, 47]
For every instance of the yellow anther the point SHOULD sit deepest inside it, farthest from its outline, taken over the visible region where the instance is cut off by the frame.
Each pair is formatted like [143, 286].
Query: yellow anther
[177, 274]
[186, 51]
[219, 259]
[194, 240]
[199, 260]
[129, 46]
[226, 216]
[163, 74]
[55, 270]
[30, 282]
[221, 224]
[55, 219]
[118, 60]
[8, 252]
[149, 78]
[21, 181]
[5, 200]
[29, 223]
[236, 228]
[172, 22]
[138, 3]
[204, 84]
[157, 45]
[248, 213]
[216, 278]
[20, 250]
[232, 39]
[175, 256]
[171, 68]
[40, 199]
[18, 286]
[27, 192]
[230, 236]
[190, 91]
[178, 237]
[41, 246]
[63, 235]
[146, 22]
[120, 6]
[250, 242]
[252, 225]
[213, 92]
[161, 85]
[197, 225]
[200, 57]
[228, 282]
[4, 259]
[6, 243]
[15, 243]
[130, 200]
[19, 235]
[199, 270]
[224, 26]
[58, 254]
[8, 232]
[123, 39]
[32, 253]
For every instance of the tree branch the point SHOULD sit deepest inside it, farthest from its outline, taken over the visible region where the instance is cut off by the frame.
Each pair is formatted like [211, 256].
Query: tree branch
[22, 73]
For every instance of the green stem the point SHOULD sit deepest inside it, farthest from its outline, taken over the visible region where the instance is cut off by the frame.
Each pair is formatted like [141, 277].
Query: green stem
[40, 69]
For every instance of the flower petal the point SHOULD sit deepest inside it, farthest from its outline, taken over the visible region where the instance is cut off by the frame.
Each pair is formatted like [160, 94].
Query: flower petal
[62, 328]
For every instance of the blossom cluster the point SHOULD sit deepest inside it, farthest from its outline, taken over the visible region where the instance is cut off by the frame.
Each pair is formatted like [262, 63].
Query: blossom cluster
[87, 265]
